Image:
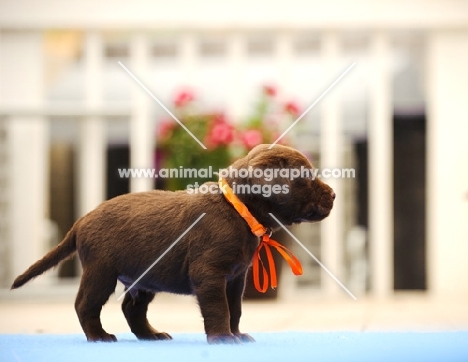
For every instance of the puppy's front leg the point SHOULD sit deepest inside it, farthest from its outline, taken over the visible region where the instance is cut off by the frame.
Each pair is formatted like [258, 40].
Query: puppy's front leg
[235, 291]
[211, 295]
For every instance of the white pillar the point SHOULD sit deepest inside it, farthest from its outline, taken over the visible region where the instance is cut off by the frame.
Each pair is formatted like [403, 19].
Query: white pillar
[21, 85]
[142, 132]
[188, 58]
[5, 195]
[236, 54]
[284, 55]
[447, 161]
[332, 157]
[92, 142]
[380, 128]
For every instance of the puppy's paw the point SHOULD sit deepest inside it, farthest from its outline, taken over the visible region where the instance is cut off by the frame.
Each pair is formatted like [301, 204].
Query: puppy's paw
[158, 336]
[223, 339]
[245, 337]
[163, 336]
[106, 337]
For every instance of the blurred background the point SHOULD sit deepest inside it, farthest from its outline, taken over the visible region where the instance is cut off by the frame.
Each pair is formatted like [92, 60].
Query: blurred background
[70, 116]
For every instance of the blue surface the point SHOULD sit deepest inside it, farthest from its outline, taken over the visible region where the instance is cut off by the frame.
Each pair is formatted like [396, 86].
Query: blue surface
[291, 346]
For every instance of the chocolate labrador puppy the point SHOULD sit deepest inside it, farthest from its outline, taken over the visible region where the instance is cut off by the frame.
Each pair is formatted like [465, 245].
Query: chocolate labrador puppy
[121, 238]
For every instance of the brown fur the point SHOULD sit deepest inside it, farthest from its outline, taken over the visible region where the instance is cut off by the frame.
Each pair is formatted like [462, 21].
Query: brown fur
[123, 236]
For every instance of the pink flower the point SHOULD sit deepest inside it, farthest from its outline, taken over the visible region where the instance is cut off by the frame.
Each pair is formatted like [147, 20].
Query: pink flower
[165, 128]
[221, 133]
[269, 90]
[219, 118]
[183, 98]
[292, 108]
[252, 138]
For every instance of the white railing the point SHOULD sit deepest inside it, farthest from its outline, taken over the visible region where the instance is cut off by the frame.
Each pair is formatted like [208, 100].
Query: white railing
[92, 142]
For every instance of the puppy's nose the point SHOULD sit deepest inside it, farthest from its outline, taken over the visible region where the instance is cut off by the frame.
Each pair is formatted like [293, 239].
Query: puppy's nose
[333, 195]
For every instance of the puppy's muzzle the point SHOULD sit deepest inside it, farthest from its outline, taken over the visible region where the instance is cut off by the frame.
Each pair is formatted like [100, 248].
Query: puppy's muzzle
[326, 204]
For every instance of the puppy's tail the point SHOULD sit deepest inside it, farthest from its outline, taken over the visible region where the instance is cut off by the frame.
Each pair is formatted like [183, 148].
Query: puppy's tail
[65, 249]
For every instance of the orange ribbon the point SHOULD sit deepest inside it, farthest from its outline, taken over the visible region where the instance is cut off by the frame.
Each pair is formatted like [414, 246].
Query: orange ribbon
[293, 262]
[260, 231]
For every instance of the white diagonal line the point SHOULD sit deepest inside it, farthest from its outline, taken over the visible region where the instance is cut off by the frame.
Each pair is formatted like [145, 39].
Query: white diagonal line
[161, 104]
[313, 104]
[161, 256]
[313, 256]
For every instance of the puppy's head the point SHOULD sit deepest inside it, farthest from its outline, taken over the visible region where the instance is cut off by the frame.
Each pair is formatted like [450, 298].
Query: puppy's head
[279, 184]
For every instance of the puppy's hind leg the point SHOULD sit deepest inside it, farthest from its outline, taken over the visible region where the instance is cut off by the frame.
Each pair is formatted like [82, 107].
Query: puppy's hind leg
[135, 308]
[95, 289]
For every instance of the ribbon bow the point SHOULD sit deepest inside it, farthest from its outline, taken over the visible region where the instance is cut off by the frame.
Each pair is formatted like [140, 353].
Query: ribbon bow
[258, 265]
[265, 242]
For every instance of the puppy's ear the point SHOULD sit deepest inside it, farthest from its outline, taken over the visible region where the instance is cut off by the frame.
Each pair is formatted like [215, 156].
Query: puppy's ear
[266, 174]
